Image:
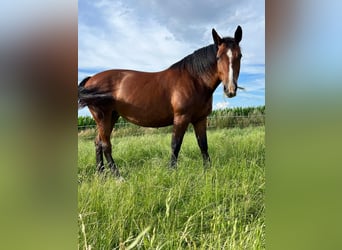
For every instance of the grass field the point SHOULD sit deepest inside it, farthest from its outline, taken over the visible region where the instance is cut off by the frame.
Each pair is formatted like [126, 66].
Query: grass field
[189, 208]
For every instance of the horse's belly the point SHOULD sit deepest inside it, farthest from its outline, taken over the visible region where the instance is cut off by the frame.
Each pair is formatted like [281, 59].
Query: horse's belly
[157, 117]
[153, 123]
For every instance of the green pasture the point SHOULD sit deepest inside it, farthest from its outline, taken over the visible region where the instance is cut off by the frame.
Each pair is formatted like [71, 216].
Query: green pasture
[221, 207]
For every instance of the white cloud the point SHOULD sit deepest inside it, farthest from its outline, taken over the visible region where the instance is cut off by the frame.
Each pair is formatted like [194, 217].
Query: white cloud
[221, 105]
[152, 34]
[124, 41]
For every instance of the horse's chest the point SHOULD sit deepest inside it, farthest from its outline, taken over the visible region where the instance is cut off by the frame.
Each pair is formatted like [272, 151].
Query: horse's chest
[205, 110]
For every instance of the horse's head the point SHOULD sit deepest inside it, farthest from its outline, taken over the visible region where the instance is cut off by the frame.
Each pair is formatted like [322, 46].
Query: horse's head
[228, 60]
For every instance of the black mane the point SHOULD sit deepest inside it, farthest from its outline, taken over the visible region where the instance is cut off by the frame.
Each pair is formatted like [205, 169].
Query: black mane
[202, 61]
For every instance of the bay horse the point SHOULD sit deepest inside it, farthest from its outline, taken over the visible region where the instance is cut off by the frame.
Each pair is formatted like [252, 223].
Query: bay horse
[179, 95]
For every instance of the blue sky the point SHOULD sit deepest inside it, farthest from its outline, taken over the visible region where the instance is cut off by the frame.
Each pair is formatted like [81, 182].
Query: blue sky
[151, 35]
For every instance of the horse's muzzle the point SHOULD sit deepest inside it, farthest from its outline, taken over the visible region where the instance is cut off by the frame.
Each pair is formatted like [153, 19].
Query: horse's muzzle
[228, 93]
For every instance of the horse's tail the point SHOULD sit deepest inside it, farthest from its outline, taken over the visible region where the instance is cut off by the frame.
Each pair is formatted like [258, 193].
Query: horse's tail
[88, 96]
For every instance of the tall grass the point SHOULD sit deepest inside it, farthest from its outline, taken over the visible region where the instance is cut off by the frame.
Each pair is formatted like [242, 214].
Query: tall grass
[221, 207]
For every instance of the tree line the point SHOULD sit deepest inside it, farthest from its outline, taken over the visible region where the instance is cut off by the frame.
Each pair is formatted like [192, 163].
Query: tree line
[221, 118]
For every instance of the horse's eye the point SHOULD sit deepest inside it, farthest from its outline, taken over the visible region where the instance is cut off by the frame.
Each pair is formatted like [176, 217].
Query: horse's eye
[240, 56]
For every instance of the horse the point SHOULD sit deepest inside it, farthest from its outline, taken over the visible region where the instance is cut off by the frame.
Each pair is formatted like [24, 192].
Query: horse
[179, 95]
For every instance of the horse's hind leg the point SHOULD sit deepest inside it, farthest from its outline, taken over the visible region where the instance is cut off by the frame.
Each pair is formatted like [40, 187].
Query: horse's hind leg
[99, 154]
[107, 151]
[107, 146]
[105, 122]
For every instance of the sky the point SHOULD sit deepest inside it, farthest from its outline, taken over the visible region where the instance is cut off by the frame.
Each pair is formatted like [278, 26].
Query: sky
[151, 35]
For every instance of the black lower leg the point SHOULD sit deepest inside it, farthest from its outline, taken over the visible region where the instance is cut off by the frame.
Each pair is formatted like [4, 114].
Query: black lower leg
[206, 159]
[173, 161]
[176, 142]
[108, 154]
[175, 147]
[201, 136]
[202, 142]
[99, 156]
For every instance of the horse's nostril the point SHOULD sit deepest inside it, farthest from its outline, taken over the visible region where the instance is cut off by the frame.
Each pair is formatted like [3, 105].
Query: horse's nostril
[231, 94]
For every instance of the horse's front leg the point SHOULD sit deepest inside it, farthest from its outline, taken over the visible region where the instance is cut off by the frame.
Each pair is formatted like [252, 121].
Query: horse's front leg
[201, 136]
[179, 127]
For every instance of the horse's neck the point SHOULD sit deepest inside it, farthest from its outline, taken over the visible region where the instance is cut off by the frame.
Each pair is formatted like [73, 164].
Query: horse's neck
[217, 83]
[212, 83]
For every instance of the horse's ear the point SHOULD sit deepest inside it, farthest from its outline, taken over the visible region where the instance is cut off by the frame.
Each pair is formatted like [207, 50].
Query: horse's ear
[238, 34]
[217, 39]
